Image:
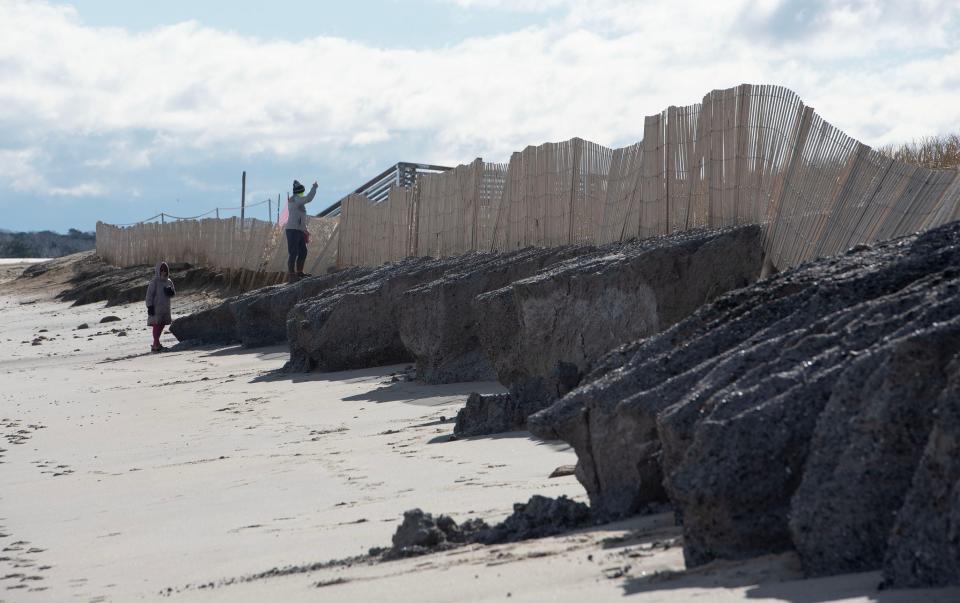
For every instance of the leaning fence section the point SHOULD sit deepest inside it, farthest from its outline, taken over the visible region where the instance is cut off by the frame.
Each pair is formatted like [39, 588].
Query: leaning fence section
[374, 233]
[745, 155]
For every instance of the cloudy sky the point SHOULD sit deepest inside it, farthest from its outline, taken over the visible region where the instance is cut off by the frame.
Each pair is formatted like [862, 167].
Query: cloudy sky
[116, 110]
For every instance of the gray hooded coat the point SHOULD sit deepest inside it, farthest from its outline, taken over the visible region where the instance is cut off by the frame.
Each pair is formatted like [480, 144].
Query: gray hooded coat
[159, 292]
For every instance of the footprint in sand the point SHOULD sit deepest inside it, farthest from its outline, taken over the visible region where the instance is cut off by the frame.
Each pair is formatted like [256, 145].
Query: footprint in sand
[50, 468]
[18, 571]
[14, 433]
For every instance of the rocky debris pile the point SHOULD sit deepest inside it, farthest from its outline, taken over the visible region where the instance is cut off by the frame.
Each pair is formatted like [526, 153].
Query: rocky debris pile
[491, 413]
[815, 410]
[537, 518]
[407, 375]
[421, 533]
[356, 324]
[258, 317]
[543, 333]
[438, 322]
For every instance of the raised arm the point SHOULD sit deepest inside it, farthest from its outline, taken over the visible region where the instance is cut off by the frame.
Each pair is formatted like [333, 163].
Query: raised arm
[301, 201]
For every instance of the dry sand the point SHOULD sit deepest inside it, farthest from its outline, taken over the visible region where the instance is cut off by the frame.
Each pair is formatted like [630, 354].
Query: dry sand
[127, 475]
[11, 268]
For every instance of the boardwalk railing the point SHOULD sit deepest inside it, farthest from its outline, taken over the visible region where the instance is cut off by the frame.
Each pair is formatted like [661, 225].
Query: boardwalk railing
[746, 155]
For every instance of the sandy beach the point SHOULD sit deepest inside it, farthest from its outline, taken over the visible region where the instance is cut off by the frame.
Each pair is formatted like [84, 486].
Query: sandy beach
[11, 268]
[203, 475]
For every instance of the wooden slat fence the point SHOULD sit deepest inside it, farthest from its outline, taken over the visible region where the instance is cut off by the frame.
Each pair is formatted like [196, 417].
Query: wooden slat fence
[225, 244]
[745, 155]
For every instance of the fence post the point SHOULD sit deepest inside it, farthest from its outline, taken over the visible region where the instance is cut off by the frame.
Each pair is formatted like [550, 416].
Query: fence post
[477, 182]
[243, 195]
[740, 149]
[670, 165]
[574, 182]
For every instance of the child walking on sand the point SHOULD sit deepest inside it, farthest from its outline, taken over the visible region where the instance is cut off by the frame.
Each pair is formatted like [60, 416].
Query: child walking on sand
[159, 292]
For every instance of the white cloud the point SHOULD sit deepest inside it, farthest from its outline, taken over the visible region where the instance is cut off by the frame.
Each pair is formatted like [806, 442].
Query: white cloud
[17, 169]
[369, 136]
[594, 69]
[121, 154]
[19, 172]
[87, 189]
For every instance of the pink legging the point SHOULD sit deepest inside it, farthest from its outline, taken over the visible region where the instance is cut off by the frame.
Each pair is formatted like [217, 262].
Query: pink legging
[157, 330]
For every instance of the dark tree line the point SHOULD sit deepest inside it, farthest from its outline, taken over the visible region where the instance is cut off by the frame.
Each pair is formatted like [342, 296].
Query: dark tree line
[44, 244]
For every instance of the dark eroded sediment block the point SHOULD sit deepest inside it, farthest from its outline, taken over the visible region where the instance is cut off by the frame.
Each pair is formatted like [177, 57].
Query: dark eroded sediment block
[257, 317]
[356, 324]
[262, 318]
[438, 323]
[544, 332]
[793, 413]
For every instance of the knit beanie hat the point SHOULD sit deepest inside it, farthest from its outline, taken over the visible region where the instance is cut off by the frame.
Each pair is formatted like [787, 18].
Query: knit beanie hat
[297, 187]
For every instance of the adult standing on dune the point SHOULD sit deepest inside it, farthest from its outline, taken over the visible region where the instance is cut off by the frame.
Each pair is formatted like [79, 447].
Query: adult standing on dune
[296, 230]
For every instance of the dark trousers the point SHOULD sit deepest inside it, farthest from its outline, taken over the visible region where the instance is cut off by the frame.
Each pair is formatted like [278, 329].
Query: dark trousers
[296, 249]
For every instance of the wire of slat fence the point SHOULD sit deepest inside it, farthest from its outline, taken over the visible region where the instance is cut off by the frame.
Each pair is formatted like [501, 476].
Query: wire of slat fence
[745, 155]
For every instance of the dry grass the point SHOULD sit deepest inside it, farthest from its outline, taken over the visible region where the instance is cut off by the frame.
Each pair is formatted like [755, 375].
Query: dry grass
[938, 152]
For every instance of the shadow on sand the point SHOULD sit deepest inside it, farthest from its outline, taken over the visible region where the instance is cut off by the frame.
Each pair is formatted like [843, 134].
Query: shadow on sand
[389, 390]
[780, 578]
[557, 445]
[373, 374]
[270, 351]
